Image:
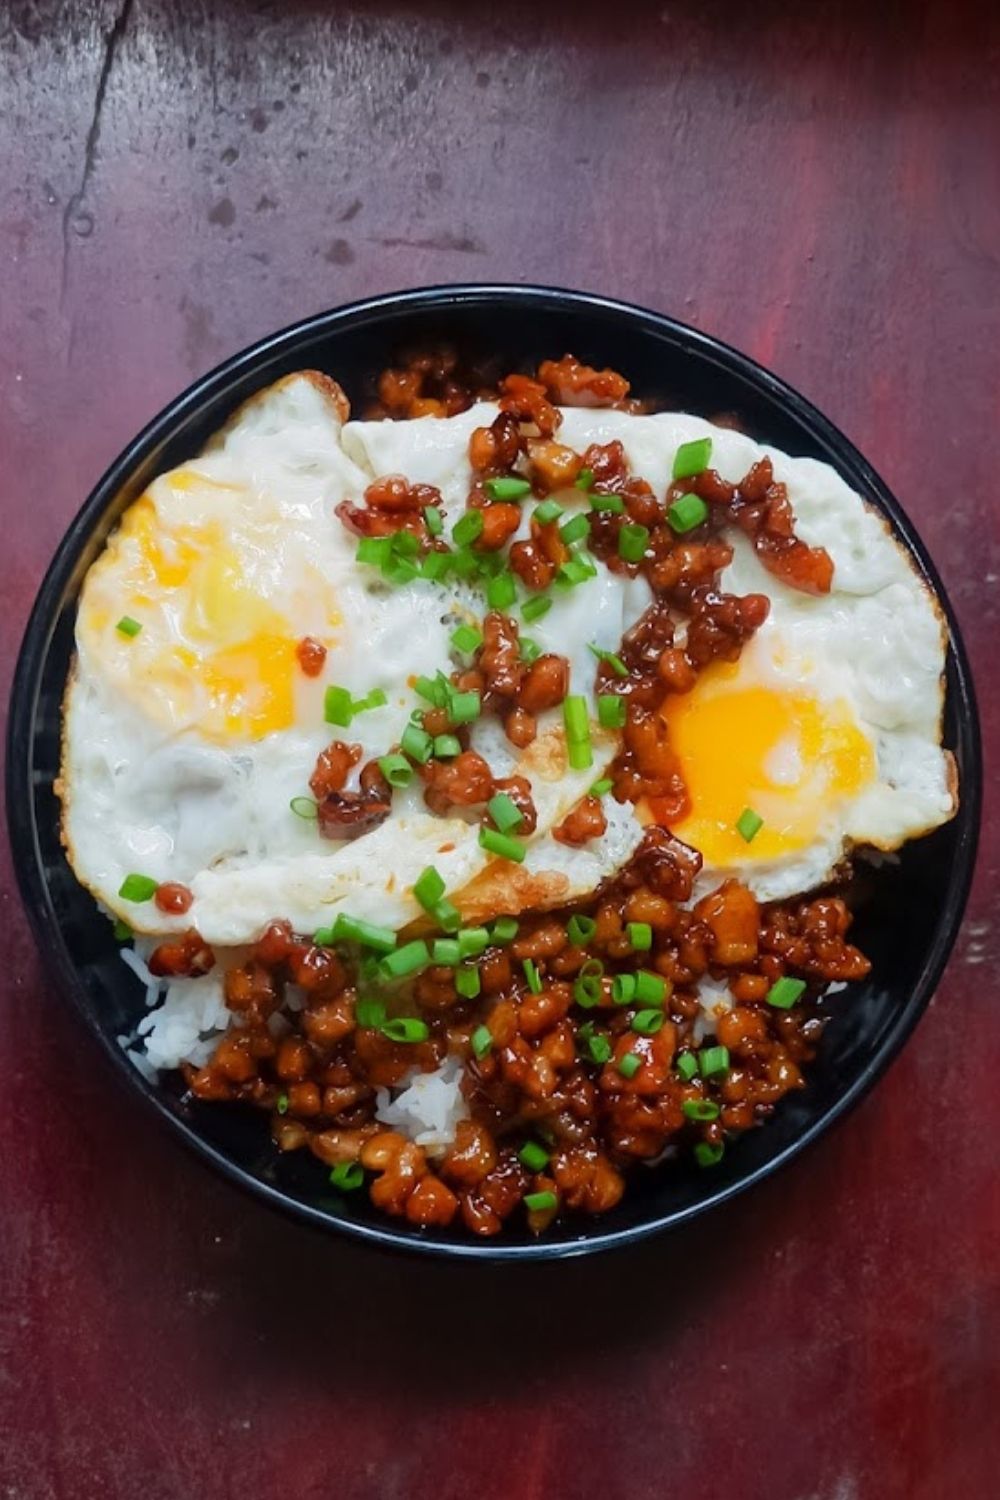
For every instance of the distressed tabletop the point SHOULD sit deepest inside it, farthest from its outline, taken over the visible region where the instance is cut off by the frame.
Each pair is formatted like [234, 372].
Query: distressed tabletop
[820, 186]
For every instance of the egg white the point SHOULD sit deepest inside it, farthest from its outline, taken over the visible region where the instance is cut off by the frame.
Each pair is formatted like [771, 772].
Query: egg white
[146, 789]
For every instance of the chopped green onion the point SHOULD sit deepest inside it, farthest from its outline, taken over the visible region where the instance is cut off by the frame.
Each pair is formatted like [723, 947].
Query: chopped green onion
[587, 991]
[428, 888]
[501, 845]
[533, 1156]
[575, 530]
[375, 550]
[482, 1041]
[539, 1203]
[400, 570]
[593, 1045]
[580, 930]
[650, 989]
[784, 992]
[647, 1022]
[435, 565]
[468, 983]
[464, 708]
[577, 570]
[375, 699]
[534, 609]
[305, 807]
[614, 662]
[629, 1065]
[623, 989]
[700, 1109]
[281, 1104]
[575, 717]
[640, 936]
[405, 544]
[417, 743]
[532, 975]
[405, 960]
[713, 1061]
[472, 941]
[749, 824]
[592, 966]
[347, 1176]
[505, 813]
[501, 591]
[446, 746]
[687, 513]
[337, 706]
[467, 639]
[433, 689]
[578, 754]
[530, 650]
[370, 1014]
[323, 937]
[507, 487]
[127, 626]
[406, 1029]
[465, 563]
[547, 512]
[708, 1153]
[368, 968]
[467, 528]
[121, 931]
[613, 504]
[601, 788]
[433, 520]
[447, 916]
[446, 951]
[687, 1066]
[348, 929]
[396, 769]
[504, 930]
[584, 479]
[692, 458]
[632, 542]
[138, 888]
[612, 711]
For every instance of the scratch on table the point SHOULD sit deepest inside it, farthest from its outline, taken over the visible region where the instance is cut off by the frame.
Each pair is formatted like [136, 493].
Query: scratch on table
[111, 44]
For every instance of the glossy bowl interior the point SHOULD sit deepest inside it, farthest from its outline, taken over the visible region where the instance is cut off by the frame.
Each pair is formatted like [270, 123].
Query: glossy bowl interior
[909, 912]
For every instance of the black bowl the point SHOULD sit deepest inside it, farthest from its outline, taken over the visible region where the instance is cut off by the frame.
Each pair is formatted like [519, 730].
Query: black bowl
[907, 921]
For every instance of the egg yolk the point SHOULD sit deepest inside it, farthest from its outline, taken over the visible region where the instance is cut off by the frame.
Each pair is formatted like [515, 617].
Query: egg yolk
[214, 649]
[786, 755]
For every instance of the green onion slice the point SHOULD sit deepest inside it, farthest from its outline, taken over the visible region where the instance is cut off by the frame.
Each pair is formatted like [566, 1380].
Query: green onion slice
[406, 1029]
[347, 1176]
[784, 992]
[584, 480]
[687, 1066]
[611, 711]
[534, 609]
[629, 1065]
[396, 769]
[580, 929]
[533, 1156]
[338, 707]
[472, 941]
[482, 1041]
[614, 662]
[687, 512]
[700, 1109]
[468, 982]
[713, 1061]
[640, 936]
[708, 1153]
[405, 960]
[501, 845]
[504, 812]
[575, 530]
[632, 542]
[417, 744]
[749, 824]
[538, 1203]
[547, 512]
[127, 626]
[647, 1022]
[138, 888]
[532, 975]
[467, 639]
[370, 1014]
[305, 807]
[507, 487]
[692, 458]
[467, 528]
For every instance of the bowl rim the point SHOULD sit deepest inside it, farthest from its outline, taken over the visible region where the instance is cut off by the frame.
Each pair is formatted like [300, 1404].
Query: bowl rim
[36, 640]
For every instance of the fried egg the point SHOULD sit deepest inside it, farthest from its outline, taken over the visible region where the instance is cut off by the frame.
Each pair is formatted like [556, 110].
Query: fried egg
[184, 743]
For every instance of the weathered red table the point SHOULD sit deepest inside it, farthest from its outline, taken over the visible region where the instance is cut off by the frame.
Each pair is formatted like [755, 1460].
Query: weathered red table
[818, 184]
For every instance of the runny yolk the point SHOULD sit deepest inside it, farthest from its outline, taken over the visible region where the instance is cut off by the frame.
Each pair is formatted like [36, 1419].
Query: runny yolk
[787, 755]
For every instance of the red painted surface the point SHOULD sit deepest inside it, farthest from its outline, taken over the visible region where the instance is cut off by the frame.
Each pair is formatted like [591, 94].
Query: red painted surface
[818, 184]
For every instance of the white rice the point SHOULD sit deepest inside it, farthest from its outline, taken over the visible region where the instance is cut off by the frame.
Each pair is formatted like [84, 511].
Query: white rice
[186, 1018]
[427, 1107]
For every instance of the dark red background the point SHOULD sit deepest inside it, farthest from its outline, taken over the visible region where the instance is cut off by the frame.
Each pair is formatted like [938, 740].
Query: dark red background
[818, 184]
